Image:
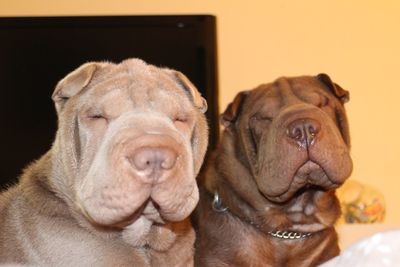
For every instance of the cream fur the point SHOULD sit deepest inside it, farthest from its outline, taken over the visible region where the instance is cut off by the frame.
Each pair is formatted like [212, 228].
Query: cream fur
[85, 203]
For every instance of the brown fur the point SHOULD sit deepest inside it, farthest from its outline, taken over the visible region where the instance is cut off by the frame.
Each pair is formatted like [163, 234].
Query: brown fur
[271, 177]
[92, 200]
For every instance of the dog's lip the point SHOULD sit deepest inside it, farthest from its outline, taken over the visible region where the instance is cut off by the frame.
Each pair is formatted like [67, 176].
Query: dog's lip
[289, 193]
[294, 192]
[121, 222]
[281, 199]
[309, 176]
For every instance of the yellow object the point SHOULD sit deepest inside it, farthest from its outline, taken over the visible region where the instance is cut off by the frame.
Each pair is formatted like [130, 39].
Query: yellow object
[361, 203]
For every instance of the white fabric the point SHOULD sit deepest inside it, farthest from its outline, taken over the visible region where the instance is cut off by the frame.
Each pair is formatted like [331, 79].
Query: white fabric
[380, 250]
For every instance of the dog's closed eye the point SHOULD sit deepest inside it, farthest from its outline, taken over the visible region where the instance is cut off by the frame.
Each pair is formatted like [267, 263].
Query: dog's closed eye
[324, 101]
[96, 116]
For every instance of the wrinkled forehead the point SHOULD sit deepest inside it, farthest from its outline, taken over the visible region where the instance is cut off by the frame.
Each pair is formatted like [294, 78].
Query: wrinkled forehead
[287, 91]
[146, 90]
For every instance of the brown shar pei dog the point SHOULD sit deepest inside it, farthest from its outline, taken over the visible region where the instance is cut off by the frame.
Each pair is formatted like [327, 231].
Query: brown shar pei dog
[267, 197]
[118, 184]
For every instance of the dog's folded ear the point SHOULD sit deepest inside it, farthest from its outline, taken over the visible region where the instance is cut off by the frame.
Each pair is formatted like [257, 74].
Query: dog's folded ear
[232, 111]
[343, 96]
[194, 94]
[73, 83]
[334, 88]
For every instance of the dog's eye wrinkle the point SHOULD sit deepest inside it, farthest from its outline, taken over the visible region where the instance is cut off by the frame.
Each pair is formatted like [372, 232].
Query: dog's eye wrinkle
[323, 102]
[259, 123]
[259, 117]
[180, 119]
[255, 140]
[95, 113]
[180, 122]
[97, 116]
[183, 122]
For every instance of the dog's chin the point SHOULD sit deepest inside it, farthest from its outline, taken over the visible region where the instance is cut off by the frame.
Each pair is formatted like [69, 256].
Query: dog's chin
[300, 211]
[294, 192]
[307, 210]
[299, 207]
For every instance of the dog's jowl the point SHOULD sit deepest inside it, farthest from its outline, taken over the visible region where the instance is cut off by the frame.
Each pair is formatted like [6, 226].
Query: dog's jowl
[267, 196]
[118, 184]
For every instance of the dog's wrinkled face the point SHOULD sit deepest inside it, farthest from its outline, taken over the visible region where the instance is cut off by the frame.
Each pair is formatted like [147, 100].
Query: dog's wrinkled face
[293, 136]
[131, 139]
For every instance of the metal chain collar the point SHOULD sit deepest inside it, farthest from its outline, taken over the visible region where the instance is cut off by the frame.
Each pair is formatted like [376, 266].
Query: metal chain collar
[288, 235]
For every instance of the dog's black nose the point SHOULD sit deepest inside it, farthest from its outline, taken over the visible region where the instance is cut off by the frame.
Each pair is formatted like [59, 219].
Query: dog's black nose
[304, 131]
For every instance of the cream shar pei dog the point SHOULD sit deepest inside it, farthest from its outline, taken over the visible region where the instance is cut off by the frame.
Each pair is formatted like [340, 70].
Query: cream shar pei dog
[118, 184]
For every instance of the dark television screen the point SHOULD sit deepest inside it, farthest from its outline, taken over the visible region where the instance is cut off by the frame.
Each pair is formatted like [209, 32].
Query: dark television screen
[36, 52]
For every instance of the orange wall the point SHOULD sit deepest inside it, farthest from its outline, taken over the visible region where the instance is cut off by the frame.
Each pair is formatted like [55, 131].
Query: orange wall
[356, 42]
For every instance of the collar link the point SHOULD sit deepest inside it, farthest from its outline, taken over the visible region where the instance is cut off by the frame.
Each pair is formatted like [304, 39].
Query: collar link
[217, 203]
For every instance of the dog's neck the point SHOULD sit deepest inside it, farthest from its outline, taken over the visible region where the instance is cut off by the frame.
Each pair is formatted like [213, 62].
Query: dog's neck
[218, 206]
